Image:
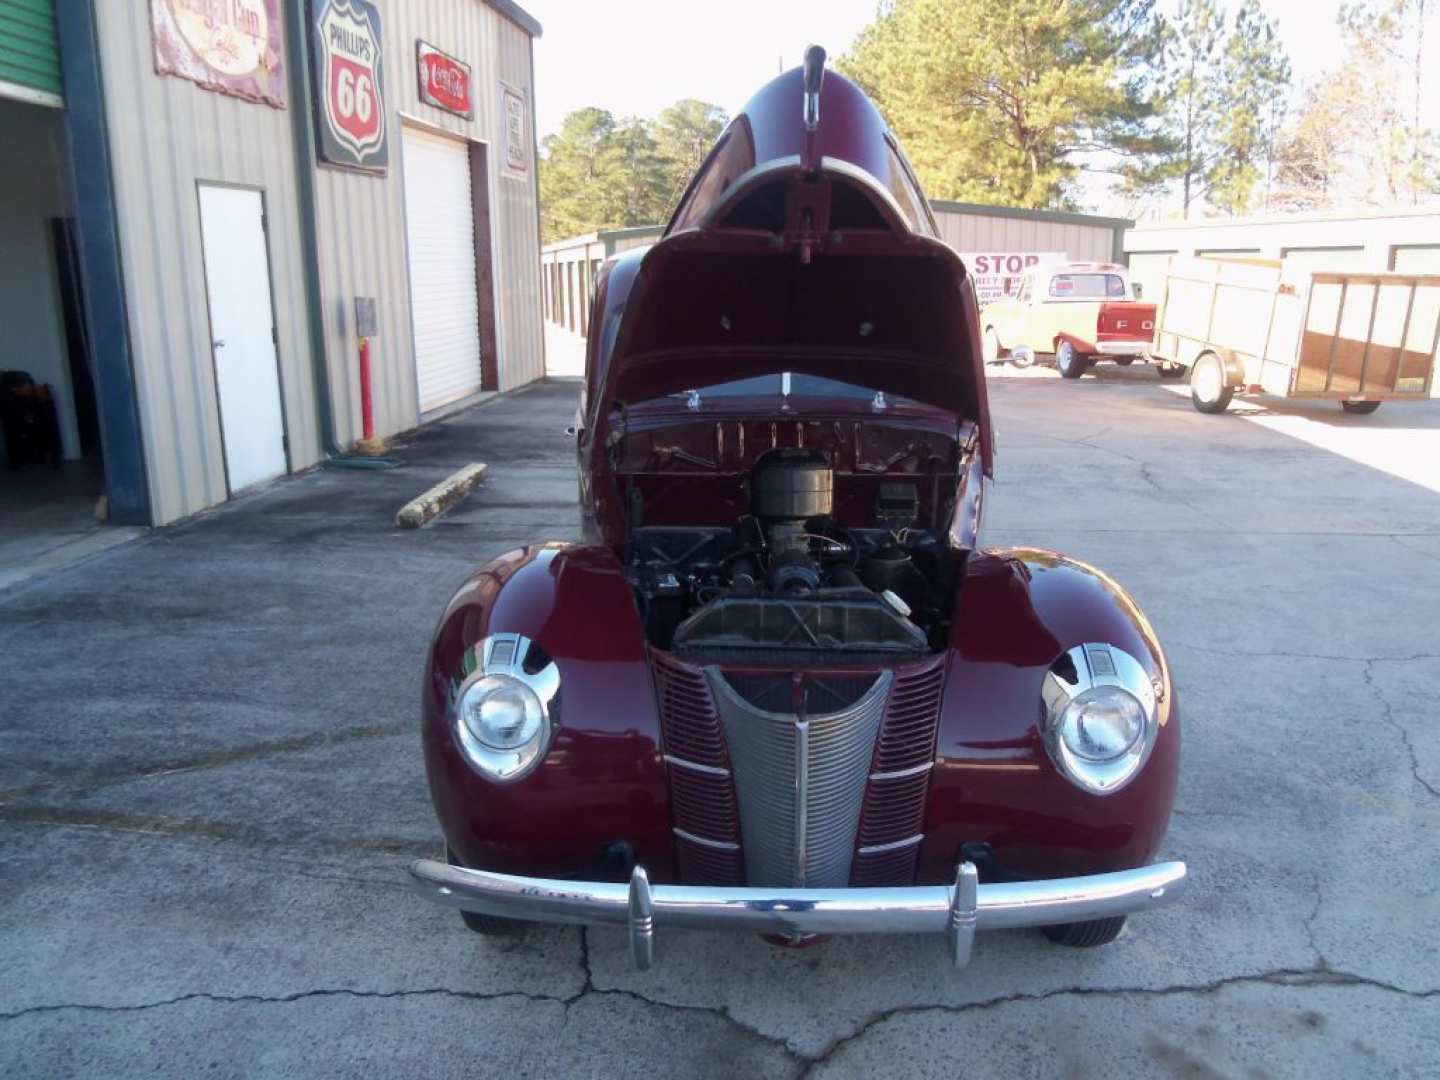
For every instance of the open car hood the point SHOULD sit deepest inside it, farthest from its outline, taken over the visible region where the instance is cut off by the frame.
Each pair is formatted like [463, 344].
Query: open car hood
[797, 247]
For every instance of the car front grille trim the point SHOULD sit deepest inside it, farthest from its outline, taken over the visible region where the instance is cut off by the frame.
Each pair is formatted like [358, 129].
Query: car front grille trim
[800, 781]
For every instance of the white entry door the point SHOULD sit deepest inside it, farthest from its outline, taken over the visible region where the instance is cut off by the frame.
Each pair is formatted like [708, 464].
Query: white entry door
[242, 330]
[440, 236]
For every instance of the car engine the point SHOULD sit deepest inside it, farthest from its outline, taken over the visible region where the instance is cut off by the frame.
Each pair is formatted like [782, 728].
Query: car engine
[787, 576]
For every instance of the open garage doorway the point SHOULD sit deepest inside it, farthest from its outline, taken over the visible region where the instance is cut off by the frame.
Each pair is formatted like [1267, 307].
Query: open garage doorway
[52, 471]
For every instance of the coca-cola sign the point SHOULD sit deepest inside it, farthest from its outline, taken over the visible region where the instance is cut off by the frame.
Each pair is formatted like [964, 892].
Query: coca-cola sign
[349, 84]
[444, 80]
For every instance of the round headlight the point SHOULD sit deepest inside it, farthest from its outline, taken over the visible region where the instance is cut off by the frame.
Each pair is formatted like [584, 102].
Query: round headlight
[1100, 716]
[502, 726]
[501, 712]
[1102, 723]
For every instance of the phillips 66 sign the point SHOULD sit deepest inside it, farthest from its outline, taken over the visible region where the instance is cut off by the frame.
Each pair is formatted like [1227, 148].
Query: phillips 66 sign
[349, 84]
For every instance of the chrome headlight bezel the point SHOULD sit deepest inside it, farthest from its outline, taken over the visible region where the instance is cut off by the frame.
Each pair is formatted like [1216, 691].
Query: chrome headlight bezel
[1096, 670]
[501, 664]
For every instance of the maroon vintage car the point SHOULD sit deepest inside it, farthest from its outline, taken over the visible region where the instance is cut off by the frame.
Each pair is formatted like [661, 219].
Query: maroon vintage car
[780, 687]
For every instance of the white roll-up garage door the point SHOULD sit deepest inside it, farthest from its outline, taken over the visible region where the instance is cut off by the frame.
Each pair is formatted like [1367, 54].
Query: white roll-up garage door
[440, 232]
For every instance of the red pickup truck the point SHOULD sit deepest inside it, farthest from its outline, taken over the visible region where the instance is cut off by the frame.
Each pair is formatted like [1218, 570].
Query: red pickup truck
[1082, 312]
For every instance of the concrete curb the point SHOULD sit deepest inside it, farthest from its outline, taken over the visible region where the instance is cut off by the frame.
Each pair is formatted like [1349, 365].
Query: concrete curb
[441, 497]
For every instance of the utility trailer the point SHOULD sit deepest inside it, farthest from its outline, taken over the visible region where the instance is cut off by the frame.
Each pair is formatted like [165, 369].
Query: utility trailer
[1272, 327]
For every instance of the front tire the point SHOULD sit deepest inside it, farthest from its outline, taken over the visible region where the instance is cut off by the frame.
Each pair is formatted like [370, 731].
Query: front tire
[1359, 408]
[1069, 362]
[1022, 356]
[486, 925]
[1086, 935]
[1210, 389]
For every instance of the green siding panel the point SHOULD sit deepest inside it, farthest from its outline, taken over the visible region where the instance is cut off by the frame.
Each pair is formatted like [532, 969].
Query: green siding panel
[29, 48]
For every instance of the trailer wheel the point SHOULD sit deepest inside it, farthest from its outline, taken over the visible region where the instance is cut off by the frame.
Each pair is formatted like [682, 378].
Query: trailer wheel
[1169, 371]
[1210, 389]
[991, 350]
[1124, 361]
[1069, 362]
[1359, 408]
[1022, 356]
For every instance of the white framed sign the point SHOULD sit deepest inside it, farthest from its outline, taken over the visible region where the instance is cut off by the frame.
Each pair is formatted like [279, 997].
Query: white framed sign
[997, 273]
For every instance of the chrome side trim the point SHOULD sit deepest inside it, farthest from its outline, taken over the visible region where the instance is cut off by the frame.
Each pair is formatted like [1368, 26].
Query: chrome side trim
[894, 845]
[900, 774]
[704, 841]
[709, 770]
[957, 911]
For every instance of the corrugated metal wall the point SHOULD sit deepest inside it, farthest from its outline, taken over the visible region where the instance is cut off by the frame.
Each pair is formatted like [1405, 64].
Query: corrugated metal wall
[362, 217]
[974, 229]
[166, 136]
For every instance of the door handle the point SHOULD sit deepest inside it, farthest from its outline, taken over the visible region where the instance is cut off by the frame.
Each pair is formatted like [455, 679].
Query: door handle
[218, 343]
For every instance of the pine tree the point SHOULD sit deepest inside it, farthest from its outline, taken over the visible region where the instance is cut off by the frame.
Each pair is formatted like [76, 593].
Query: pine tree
[996, 102]
[684, 134]
[1255, 74]
[1193, 98]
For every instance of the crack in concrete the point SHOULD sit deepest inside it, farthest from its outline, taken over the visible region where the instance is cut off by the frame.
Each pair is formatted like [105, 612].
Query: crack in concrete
[1388, 716]
[803, 1064]
[1287, 977]
[1396, 539]
[1321, 964]
[1257, 654]
[1145, 473]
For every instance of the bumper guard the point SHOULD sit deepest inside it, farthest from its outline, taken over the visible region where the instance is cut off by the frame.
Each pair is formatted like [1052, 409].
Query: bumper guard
[957, 910]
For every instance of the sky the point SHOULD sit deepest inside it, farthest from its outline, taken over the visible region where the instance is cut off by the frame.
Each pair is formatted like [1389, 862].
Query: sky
[634, 57]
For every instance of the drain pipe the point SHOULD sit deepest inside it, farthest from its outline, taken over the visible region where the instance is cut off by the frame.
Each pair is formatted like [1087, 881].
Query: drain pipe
[303, 124]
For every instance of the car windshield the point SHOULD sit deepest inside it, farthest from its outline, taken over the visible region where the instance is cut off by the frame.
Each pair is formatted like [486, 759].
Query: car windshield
[789, 384]
[1088, 286]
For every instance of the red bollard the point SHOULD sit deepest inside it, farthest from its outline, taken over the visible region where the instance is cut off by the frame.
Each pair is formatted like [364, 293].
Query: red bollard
[367, 405]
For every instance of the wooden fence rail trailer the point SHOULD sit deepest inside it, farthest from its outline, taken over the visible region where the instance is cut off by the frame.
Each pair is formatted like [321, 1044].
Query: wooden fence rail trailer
[1262, 326]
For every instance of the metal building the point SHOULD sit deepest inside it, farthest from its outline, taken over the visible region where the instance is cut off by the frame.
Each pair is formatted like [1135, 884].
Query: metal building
[220, 201]
[997, 242]
[1407, 241]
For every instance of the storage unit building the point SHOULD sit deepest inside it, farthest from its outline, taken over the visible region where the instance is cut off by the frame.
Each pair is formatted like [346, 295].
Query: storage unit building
[258, 185]
[1403, 241]
[997, 242]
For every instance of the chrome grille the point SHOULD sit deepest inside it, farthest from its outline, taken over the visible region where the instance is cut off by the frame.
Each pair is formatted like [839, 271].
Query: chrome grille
[799, 782]
[893, 818]
[702, 798]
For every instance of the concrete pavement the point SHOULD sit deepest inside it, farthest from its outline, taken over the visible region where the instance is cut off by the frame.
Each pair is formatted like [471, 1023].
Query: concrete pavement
[210, 782]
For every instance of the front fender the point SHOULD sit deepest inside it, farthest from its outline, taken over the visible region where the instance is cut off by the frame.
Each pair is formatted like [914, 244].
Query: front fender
[1017, 611]
[603, 780]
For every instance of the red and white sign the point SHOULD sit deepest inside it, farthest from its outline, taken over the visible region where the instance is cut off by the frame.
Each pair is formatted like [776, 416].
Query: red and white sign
[350, 84]
[997, 273]
[444, 80]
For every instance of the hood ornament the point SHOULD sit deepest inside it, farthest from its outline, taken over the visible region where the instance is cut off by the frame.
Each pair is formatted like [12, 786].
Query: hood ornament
[814, 77]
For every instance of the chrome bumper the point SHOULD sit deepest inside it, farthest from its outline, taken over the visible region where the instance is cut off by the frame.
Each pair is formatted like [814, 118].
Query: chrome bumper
[1123, 348]
[956, 910]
